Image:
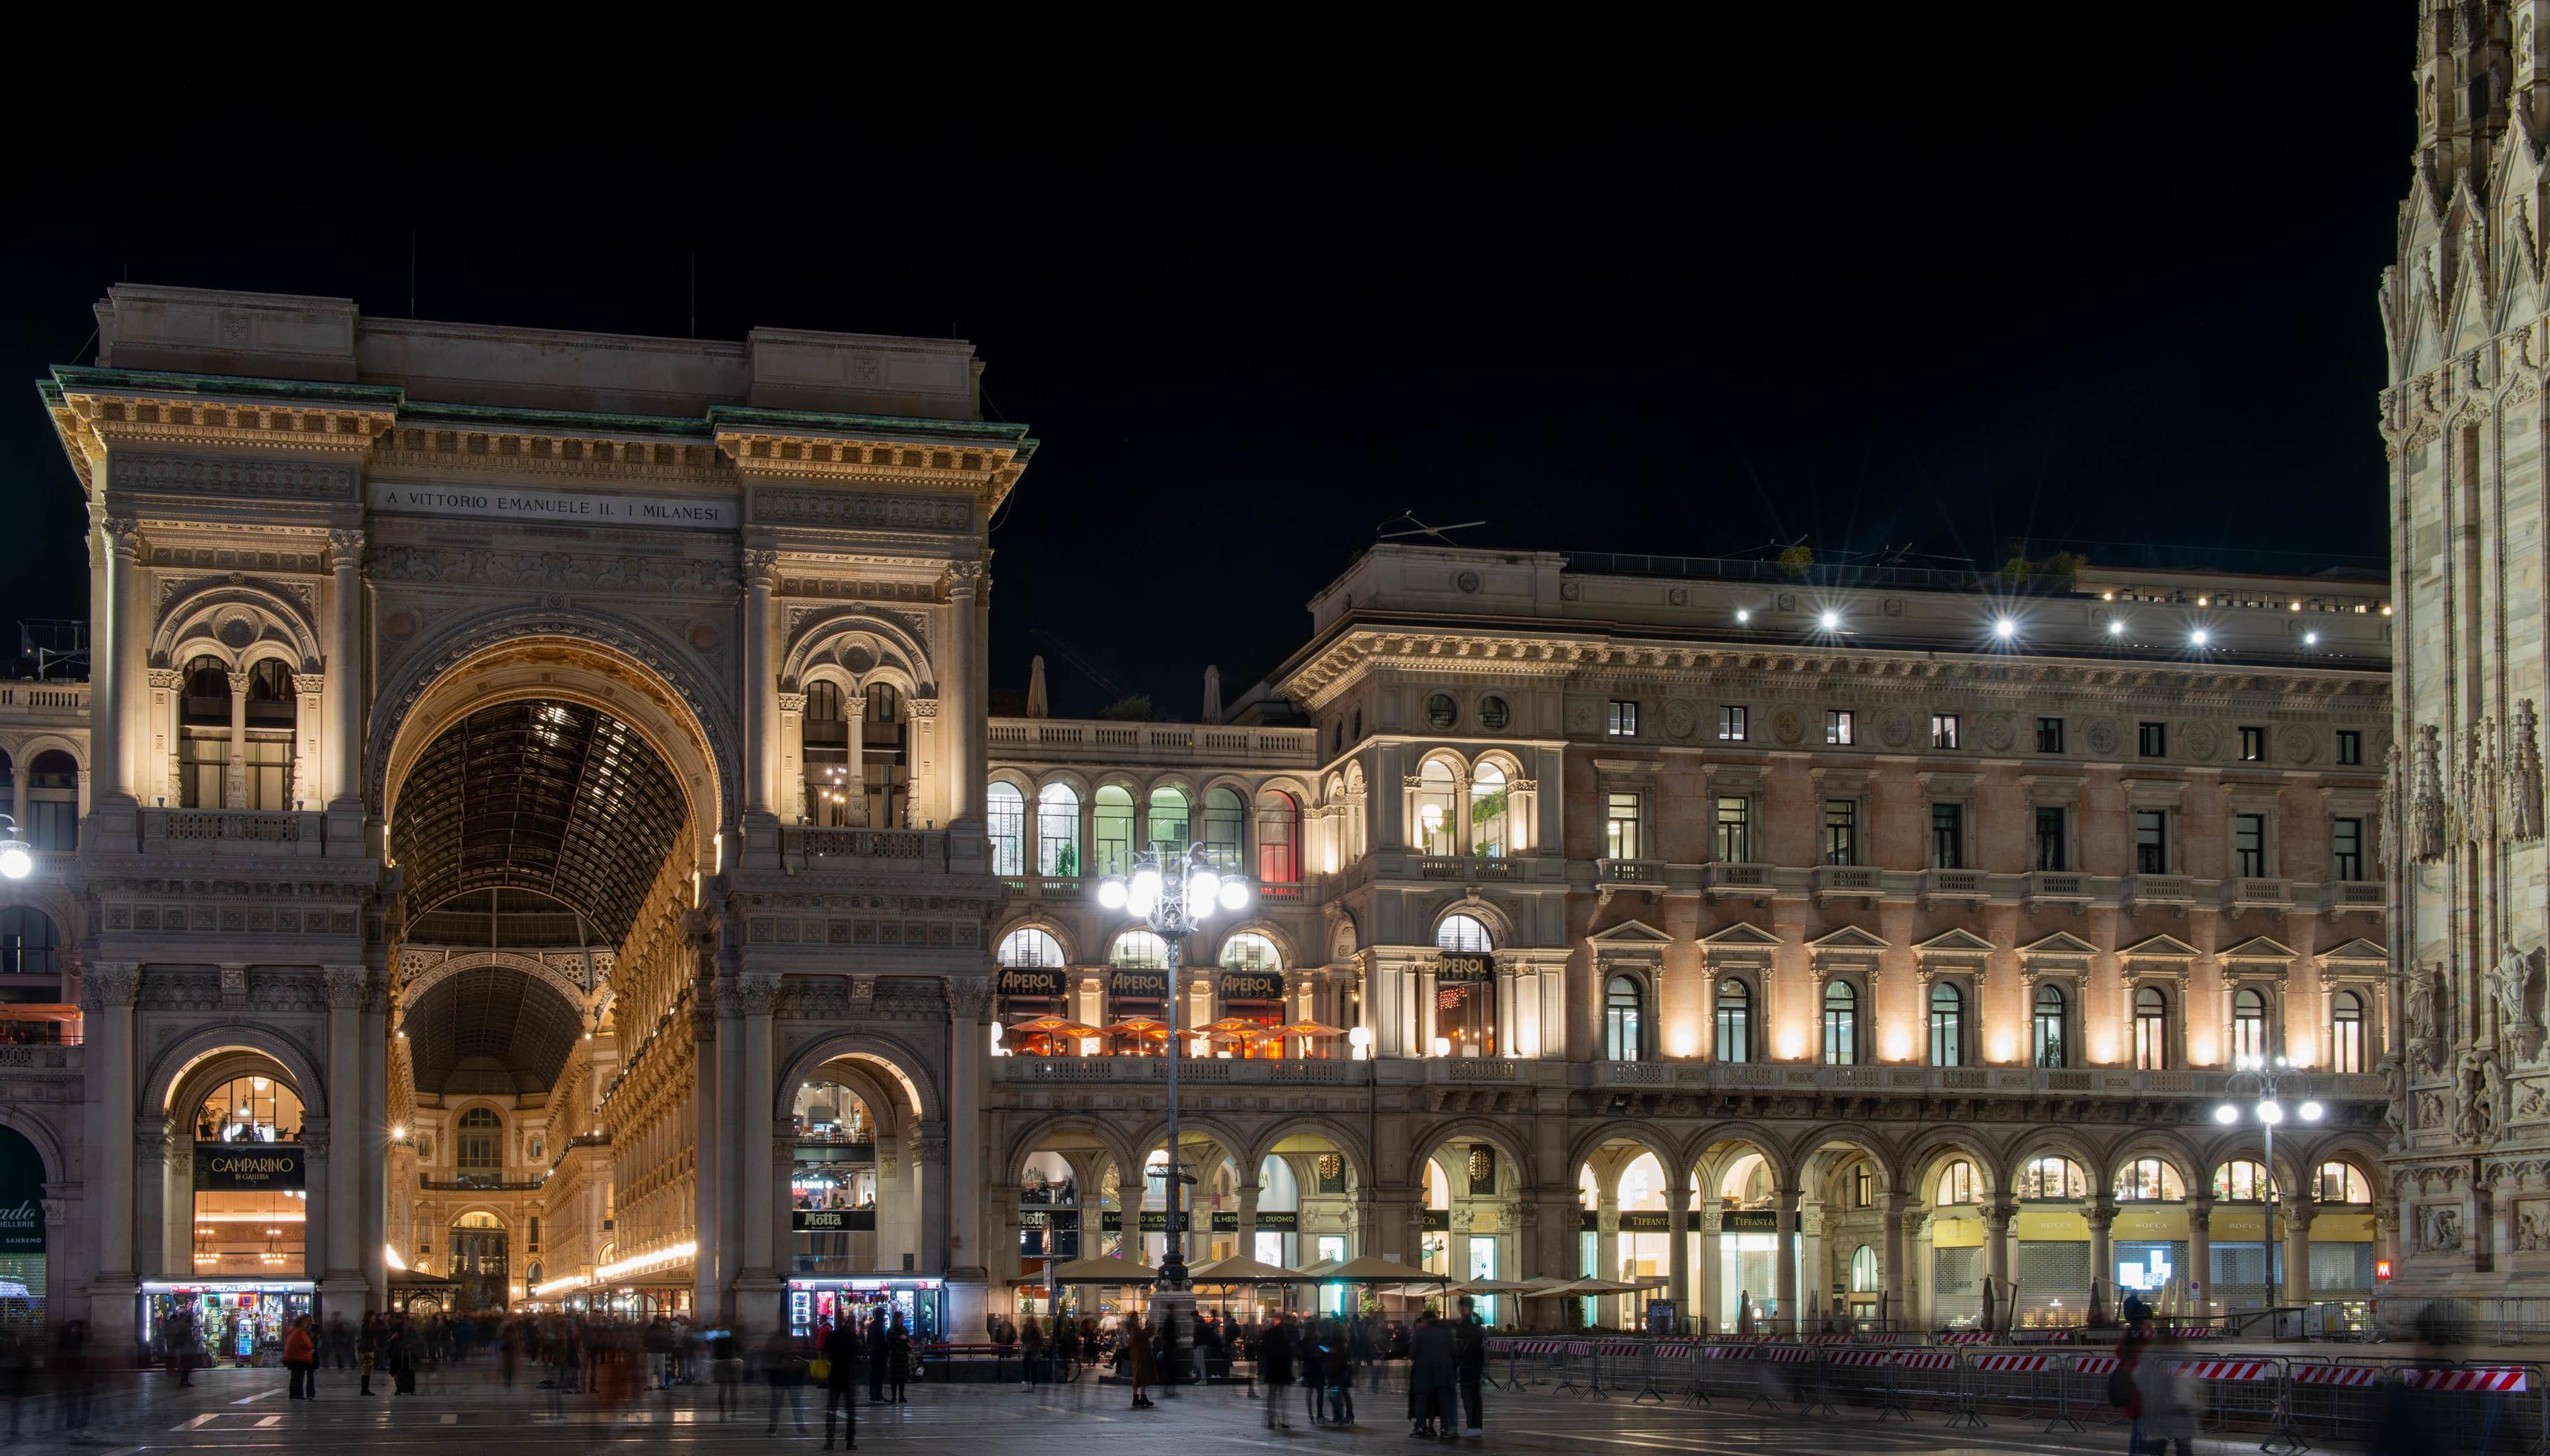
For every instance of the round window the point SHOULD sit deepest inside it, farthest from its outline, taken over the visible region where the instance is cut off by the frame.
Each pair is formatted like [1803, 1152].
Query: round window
[1494, 714]
[1440, 710]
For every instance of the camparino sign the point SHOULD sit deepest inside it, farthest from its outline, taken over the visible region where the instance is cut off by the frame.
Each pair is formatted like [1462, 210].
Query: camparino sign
[248, 1167]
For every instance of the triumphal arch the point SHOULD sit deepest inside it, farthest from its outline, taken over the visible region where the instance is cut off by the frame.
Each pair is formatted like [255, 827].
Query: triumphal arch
[542, 766]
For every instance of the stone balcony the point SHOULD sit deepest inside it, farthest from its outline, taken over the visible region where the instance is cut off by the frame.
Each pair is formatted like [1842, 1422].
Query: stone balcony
[806, 848]
[1098, 741]
[236, 831]
[64, 704]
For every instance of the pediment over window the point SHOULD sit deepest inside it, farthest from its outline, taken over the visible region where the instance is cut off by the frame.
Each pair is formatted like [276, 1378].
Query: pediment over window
[1848, 937]
[2060, 944]
[2357, 951]
[2159, 947]
[1631, 933]
[1742, 935]
[2260, 947]
[1956, 941]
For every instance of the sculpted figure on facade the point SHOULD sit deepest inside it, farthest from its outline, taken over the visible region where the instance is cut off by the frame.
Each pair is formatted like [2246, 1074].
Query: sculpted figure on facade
[2394, 1099]
[2440, 1229]
[2425, 1044]
[2510, 986]
[2426, 805]
[2523, 775]
[2386, 819]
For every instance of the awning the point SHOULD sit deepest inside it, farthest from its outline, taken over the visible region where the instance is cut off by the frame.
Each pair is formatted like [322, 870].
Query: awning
[1105, 1269]
[1239, 1269]
[1374, 1269]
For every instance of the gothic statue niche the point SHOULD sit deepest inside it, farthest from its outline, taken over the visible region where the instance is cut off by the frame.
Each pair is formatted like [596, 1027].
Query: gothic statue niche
[2523, 775]
[2440, 1229]
[2532, 1227]
[2395, 1100]
[2386, 820]
[2481, 1089]
[2425, 1039]
[2426, 802]
[2510, 988]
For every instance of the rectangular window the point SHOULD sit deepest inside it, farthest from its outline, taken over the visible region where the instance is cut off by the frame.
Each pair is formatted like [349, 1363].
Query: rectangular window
[2253, 745]
[1837, 726]
[1736, 829]
[1947, 837]
[2049, 735]
[2151, 841]
[1623, 721]
[1841, 831]
[1621, 837]
[2049, 837]
[1731, 725]
[2350, 747]
[2346, 848]
[1944, 731]
[2249, 845]
[2153, 739]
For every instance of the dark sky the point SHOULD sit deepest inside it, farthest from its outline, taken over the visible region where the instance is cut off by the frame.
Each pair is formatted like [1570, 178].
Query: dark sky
[1959, 282]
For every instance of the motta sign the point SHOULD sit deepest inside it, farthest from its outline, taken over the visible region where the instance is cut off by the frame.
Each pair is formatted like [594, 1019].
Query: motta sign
[575, 507]
[833, 1220]
[256, 1167]
[1462, 970]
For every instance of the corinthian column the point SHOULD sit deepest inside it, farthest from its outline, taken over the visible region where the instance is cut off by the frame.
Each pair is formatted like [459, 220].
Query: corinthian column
[346, 1152]
[116, 649]
[345, 649]
[110, 988]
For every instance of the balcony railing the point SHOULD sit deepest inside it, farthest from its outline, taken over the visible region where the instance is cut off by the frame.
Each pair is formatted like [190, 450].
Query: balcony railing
[233, 832]
[2255, 894]
[1722, 877]
[1940, 884]
[1033, 738]
[1804, 1076]
[1847, 879]
[474, 1183]
[2161, 890]
[2360, 894]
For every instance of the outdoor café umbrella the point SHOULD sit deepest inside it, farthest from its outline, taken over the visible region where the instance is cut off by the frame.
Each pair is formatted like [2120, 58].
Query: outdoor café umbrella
[1374, 1269]
[1240, 1269]
[1310, 1031]
[1135, 1027]
[1489, 1287]
[1103, 1269]
[1562, 1289]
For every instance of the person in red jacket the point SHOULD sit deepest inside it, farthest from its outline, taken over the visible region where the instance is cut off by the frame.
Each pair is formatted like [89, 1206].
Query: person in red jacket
[300, 1356]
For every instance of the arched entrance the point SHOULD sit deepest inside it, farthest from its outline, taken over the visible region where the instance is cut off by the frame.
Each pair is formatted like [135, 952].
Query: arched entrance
[237, 1240]
[858, 1195]
[552, 801]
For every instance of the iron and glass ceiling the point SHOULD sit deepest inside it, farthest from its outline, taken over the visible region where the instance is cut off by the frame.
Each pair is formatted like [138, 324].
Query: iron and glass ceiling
[548, 797]
[490, 1028]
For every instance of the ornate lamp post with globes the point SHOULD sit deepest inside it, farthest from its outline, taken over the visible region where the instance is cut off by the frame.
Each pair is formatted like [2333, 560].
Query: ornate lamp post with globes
[2269, 1111]
[1175, 894]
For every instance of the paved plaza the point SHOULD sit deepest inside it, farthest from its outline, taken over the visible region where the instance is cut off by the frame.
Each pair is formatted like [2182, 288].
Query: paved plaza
[248, 1410]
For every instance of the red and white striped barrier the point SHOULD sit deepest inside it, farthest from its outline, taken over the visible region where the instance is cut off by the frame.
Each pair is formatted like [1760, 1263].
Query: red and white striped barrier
[2202, 1332]
[2012, 1364]
[1929, 1359]
[1862, 1358]
[1529, 1347]
[1966, 1338]
[1725, 1352]
[2235, 1371]
[1674, 1349]
[1616, 1348]
[2337, 1375]
[1824, 1339]
[2503, 1382]
[2094, 1363]
[1896, 1337]
[1789, 1354]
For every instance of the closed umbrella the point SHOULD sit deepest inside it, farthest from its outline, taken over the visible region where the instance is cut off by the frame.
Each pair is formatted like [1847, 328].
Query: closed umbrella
[1744, 1312]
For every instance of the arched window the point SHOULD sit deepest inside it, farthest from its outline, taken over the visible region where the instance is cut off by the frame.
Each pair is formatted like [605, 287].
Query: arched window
[1842, 1024]
[823, 736]
[208, 694]
[1957, 1183]
[481, 1153]
[2151, 1029]
[1031, 948]
[1140, 951]
[2346, 1032]
[1225, 819]
[1948, 1025]
[2052, 1179]
[2248, 1023]
[2053, 1040]
[2242, 1181]
[30, 944]
[2339, 1182]
[2149, 1180]
[1487, 811]
[1250, 951]
[52, 801]
[824, 721]
[533, 1276]
[252, 1108]
[1466, 934]
[1005, 820]
[1620, 1019]
[1863, 1269]
[1279, 838]
[1167, 829]
[1111, 823]
[1438, 809]
[885, 757]
[270, 701]
[1057, 830]
[1734, 1021]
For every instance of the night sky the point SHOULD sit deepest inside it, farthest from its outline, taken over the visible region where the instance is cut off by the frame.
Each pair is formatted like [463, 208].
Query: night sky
[1964, 288]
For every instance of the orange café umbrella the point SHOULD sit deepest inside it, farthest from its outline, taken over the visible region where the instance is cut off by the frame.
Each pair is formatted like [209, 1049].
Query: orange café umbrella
[1308, 1028]
[1135, 1027]
[1050, 1025]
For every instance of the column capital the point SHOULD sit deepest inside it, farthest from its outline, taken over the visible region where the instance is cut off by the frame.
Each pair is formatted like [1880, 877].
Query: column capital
[1998, 1213]
[346, 984]
[344, 549]
[109, 983]
[758, 991]
[120, 530]
[760, 569]
[962, 579]
[239, 683]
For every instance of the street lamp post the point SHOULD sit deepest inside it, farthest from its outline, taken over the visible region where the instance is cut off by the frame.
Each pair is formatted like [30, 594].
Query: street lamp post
[1175, 894]
[2264, 1074]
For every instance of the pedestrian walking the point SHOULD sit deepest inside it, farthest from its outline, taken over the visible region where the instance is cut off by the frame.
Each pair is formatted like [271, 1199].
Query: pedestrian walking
[1432, 1375]
[842, 1358]
[785, 1371]
[897, 1361]
[1141, 1370]
[726, 1372]
[300, 1356]
[2168, 1406]
[1470, 1362]
[876, 1356]
[1275, 1368]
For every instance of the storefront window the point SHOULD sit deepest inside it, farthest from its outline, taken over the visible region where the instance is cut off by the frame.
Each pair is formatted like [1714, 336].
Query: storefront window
[249, 1109]
[1438, 808]
[1004, 824]
[1167, 829]
[249, 1181]
[1279, 838]
[1112, 820]
[1251, 988]
[2242, 1181]
[1057, 830]
[2052, 1180]
[1487, 811]
[1464, 1015]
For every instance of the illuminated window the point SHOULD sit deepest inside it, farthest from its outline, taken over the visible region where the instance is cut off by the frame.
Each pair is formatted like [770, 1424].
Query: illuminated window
[1279, 838]
[1948, 1025]
[1028, 948]
[2242, 1181]
[1438, 809]
[1487, 811]
[1005, 820]
[2149, 1180]
[1842, 1025]
[1111, 821]
[1957, 1183]
[1465, 935]
[2052, 1179]
[1167, 829]
[1057, 830]
[1622, 818]
[1944, 731]
[1620, 1019]
[2346, 1032]
[1733, 725]
[1736, 829]
[2053, 1025]
[2339, 1182]
[1863, 1269]
[1140, 951]
[1838, 726]
[2151, 1029]
[1734, 1021]
[2248, 1023]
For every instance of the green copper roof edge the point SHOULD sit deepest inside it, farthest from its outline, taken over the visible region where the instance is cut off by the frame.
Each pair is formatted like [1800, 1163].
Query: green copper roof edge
[426, 411]
[985, 432]
[231, 384]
